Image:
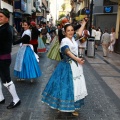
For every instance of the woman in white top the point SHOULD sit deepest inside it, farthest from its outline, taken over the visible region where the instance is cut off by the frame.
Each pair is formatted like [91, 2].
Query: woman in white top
[113, 40]
[26, 64]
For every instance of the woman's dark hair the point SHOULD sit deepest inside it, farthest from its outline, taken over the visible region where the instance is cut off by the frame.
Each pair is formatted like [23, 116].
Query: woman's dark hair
[27, 23]
[67, 25]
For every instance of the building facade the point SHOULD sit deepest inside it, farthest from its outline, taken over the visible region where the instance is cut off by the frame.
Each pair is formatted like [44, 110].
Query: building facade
[8, 5]
[117, 44]
[104, 14]
[76, 7]
[29, 10]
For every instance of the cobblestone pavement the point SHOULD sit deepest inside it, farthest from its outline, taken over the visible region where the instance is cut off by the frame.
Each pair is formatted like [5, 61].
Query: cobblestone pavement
[101, 103]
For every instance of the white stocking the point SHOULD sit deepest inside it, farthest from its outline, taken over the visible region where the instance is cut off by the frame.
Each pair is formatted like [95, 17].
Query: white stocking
[1, 94]
[12, 90]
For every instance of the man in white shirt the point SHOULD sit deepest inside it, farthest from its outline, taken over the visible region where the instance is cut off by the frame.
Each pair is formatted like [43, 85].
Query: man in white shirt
[97, 38]
[93, 32]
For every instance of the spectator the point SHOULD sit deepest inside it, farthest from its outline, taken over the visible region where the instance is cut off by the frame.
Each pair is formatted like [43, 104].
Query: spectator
[97, 38]
[113, 40]
[105, 40]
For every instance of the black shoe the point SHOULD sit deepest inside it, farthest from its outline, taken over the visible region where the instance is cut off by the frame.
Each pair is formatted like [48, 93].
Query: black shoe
[12, 105]
[104, 56]
[2, 102]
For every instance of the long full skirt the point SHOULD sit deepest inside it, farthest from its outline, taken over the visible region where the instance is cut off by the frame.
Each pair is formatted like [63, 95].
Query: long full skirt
[65, 89]
[30, 67]
[54, 52]
[41, 46]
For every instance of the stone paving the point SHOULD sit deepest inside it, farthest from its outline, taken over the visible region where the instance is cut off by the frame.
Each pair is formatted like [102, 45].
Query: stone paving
[101, 103]
[108, 68]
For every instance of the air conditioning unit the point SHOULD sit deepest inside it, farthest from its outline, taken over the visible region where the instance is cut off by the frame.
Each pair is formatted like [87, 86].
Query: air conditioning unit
[33, 9]
[37, 3]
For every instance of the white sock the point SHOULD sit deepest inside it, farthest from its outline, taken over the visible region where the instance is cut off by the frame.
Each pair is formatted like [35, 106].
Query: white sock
[1, 93]
[12, 90]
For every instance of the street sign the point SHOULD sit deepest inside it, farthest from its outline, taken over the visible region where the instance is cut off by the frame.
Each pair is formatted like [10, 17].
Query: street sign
[39, 14]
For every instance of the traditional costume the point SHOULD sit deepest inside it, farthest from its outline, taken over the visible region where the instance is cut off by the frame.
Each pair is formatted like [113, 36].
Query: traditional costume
[6, 39]
[26, 65]
[54, 52]
[66, 88]
[41, 47]
[48, 38]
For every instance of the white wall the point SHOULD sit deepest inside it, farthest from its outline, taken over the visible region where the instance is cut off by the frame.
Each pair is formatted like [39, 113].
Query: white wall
[54, 9]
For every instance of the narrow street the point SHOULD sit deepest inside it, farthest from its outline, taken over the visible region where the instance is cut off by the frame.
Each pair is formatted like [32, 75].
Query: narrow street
[102, 102]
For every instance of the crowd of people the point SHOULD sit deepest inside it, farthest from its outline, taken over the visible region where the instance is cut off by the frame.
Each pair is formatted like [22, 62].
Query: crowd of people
[104, 38]
[66, 88]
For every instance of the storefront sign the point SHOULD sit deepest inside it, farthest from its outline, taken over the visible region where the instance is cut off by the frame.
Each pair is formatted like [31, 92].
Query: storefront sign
[108, 9]
[39, 14]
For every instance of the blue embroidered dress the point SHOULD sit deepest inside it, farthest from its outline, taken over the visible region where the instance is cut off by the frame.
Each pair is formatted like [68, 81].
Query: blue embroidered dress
[66, 88]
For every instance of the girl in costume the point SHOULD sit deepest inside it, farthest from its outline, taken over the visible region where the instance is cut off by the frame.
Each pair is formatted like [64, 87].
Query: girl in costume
[26, 65]
[41, 47]
[34, 36]
[54, 53]
[66, 88]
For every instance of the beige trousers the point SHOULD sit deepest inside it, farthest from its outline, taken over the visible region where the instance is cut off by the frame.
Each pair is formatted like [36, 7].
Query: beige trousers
[105, 49]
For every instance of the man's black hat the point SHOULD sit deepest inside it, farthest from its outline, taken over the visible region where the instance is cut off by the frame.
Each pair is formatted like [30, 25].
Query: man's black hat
[5, 12]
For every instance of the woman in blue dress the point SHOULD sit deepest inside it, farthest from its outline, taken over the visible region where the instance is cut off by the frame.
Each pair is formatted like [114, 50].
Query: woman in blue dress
[66, 88]
[26, 65]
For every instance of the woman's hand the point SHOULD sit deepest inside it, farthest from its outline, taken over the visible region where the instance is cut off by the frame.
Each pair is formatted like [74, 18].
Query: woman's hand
[85, 20]
[80, 60]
